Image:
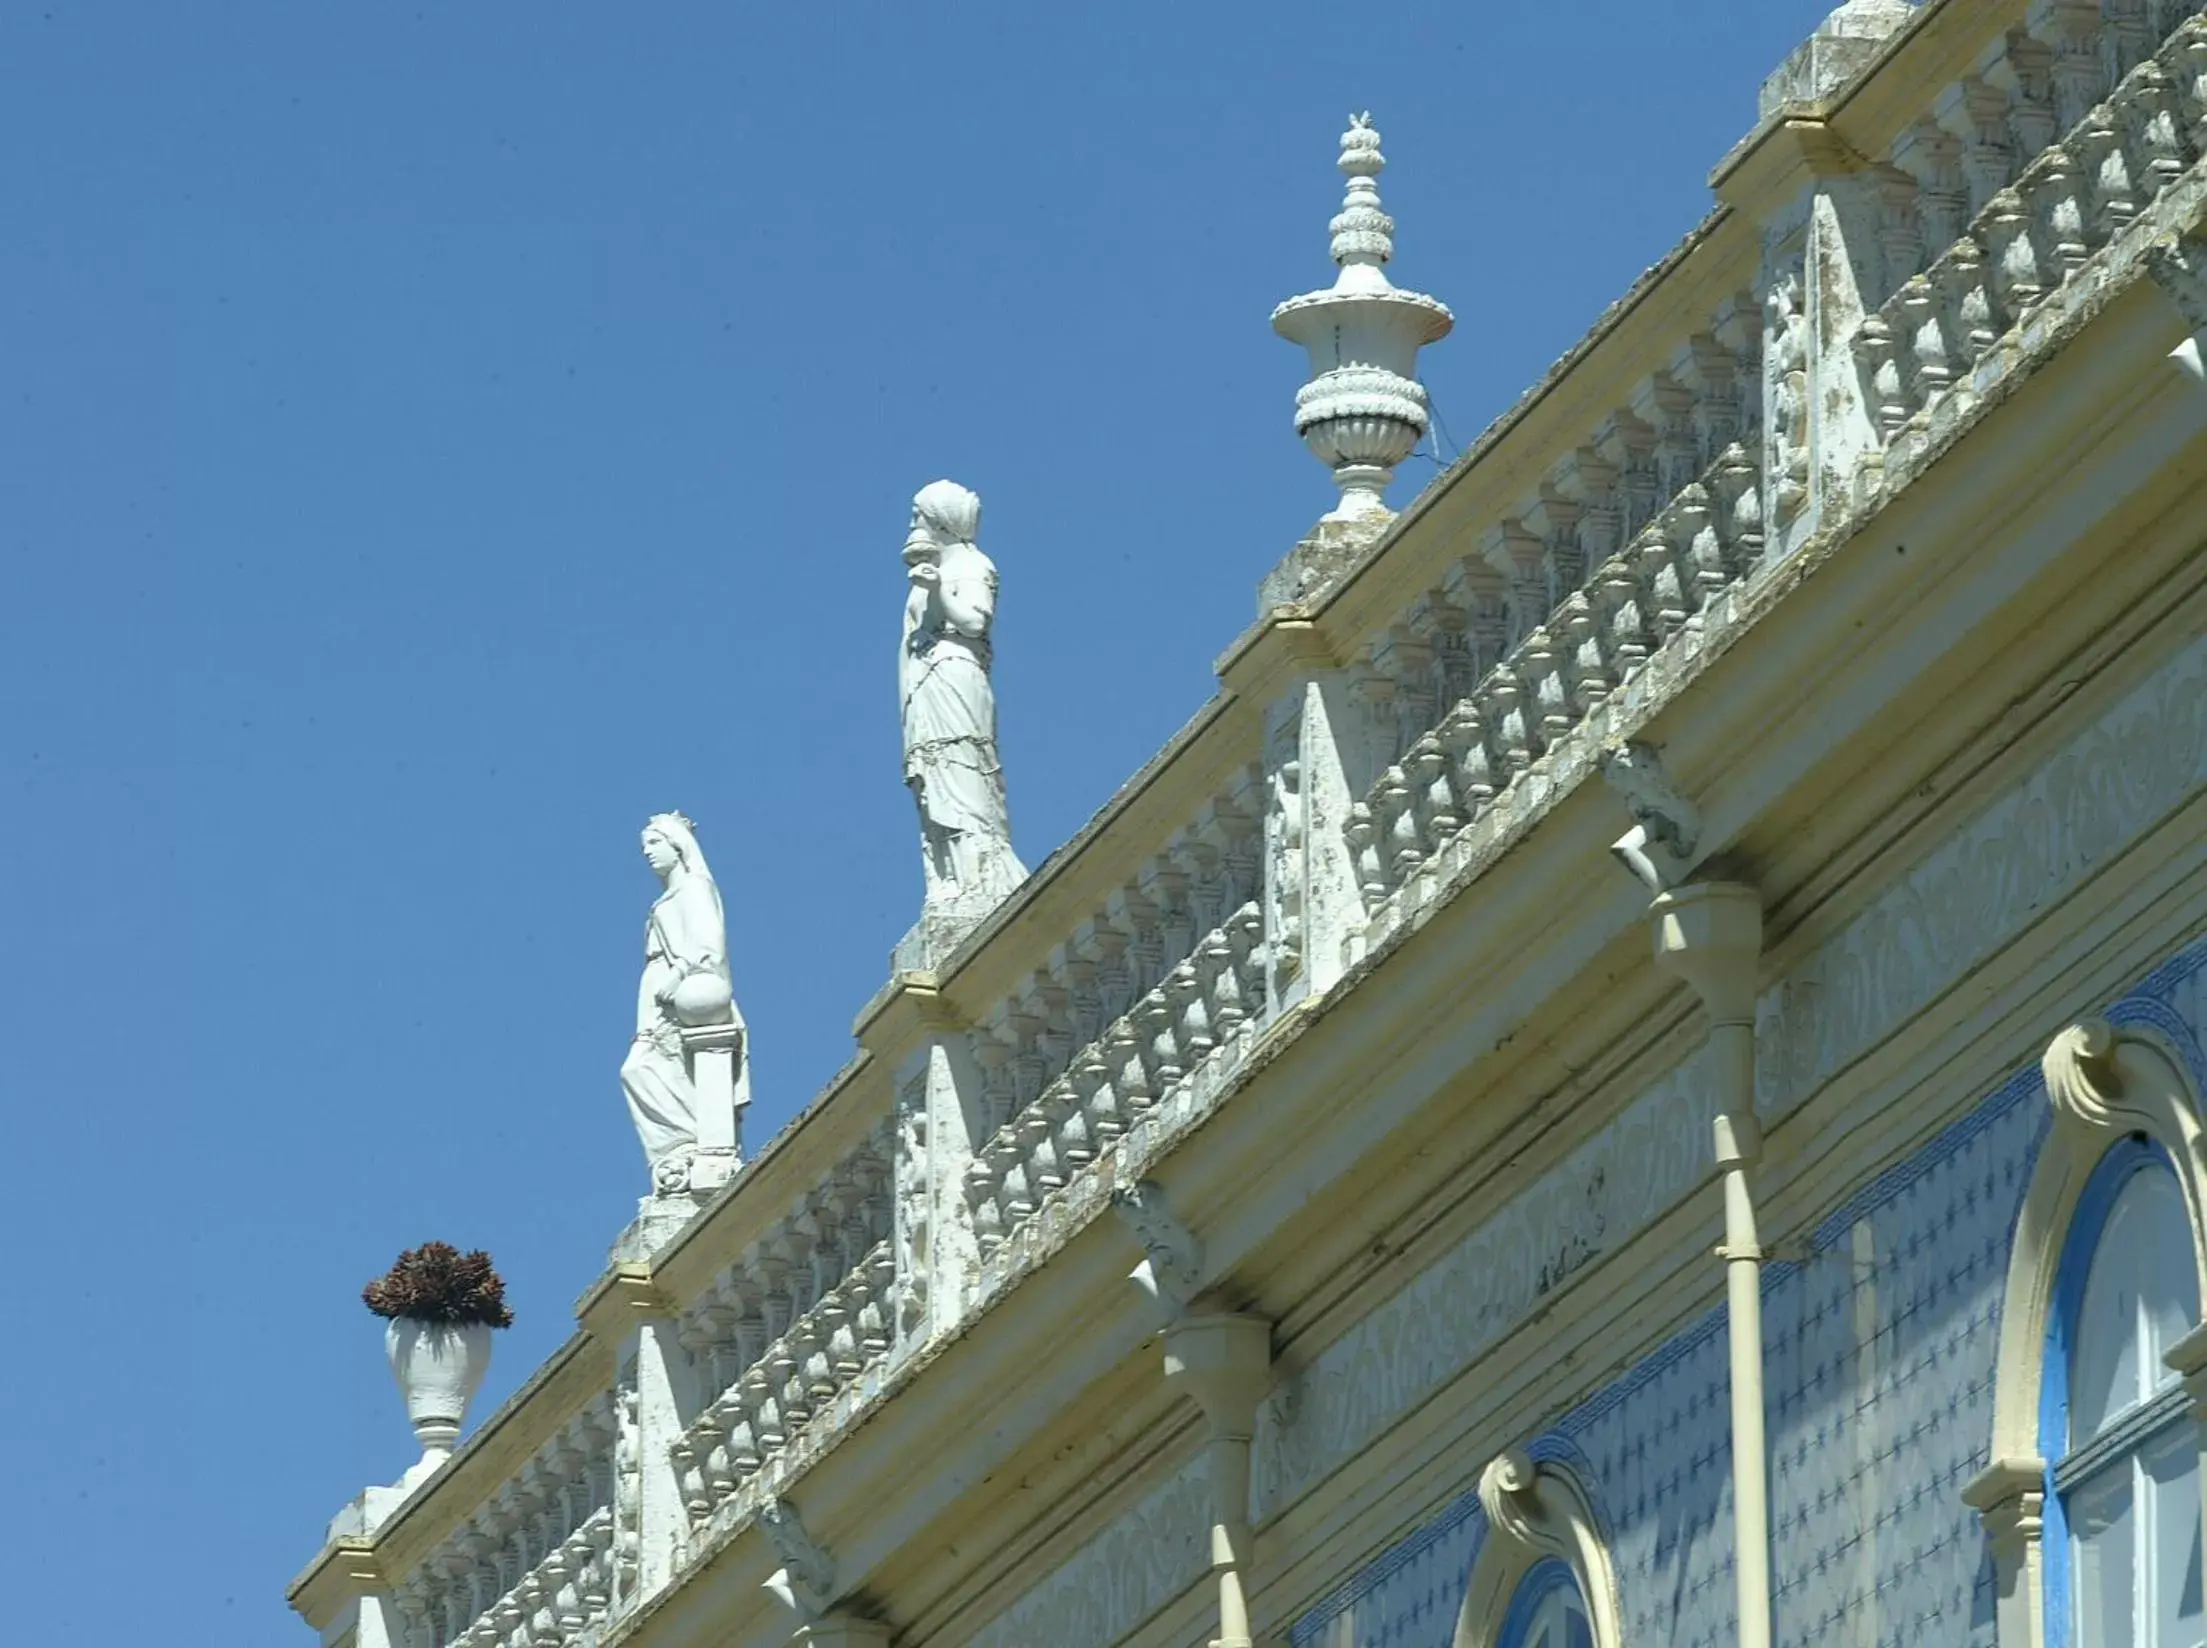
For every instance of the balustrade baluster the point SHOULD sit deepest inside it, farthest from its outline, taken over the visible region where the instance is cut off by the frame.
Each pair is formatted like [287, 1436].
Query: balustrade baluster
[2101, 147]
[1184, 990]
[1616, 586]
[1099, 1102]
[1740, 526]
[1540, 668]
[1130, 1083]
[1221, 993]
[2156, 129]
[1587, 669]
[1395, 815]
[1443, 813]
[1463, 740]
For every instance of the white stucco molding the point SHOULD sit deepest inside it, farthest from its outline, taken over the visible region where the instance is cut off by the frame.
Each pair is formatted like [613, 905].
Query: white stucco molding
[2104, 1084]
[1536, 1510]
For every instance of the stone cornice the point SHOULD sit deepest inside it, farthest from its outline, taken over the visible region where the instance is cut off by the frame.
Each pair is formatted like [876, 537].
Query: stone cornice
[620, 1298]
[346, 1570]
[1831, 136]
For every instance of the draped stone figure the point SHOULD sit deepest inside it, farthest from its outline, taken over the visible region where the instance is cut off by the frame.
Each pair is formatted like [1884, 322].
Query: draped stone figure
[950, 758]
[685, 986]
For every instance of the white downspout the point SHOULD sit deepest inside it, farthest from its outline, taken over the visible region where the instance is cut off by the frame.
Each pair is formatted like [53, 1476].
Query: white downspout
[1710, 935]
[1225, 1363]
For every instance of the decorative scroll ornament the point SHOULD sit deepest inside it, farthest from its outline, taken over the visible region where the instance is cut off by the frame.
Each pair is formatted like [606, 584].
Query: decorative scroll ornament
[1172, 1265]
[1538, 1510]
[806, 1579]
[1363, 410]
[2081, 1079]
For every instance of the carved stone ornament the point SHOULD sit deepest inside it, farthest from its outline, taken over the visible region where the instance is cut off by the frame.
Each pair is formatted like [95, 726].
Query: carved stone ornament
[806, 1579]
[1172, 1265]
[1363, 410]
[1667, 827]
[1536, 1510]
[2179, 268]
[2081, 1080]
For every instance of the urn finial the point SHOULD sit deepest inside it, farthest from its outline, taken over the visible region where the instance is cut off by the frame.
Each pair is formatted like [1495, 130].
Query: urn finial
[1363, 410]
[1363, 233]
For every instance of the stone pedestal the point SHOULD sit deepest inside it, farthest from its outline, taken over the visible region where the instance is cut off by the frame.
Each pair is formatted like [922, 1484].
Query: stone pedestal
[714, 1052]
[942, 927]
[657, 1220]
[1318, 561]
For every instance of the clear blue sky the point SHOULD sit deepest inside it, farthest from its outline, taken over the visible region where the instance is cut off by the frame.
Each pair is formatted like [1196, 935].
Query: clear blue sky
[434, 437]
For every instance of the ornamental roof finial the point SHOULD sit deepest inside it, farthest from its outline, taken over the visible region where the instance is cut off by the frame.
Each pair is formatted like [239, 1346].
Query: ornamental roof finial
[1363, 233]
[1363, 410]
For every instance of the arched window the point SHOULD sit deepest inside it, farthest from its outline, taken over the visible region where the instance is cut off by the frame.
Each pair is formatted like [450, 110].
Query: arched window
[2123, 1513]
[1543, 1577]
[1547, 1610]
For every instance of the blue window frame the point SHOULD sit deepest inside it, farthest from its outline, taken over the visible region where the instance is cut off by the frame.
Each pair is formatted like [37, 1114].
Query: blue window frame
[1547, 1611]
[2122, 1529]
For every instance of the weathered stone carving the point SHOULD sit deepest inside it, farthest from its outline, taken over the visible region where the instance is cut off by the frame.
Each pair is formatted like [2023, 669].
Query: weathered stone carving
[806, 1579]
[685, 986]
[950, 758]
[1666, 826]
[1786, 336]
[1172, 1263]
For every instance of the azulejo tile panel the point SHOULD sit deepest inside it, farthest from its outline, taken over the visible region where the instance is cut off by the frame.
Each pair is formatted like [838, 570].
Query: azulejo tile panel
[1879, 1352]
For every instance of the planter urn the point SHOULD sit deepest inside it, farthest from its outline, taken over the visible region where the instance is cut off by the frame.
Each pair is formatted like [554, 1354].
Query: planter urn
[439, 1367]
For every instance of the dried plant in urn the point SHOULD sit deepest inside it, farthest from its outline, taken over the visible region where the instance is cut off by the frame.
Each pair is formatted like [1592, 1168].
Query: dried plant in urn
[442, 1305]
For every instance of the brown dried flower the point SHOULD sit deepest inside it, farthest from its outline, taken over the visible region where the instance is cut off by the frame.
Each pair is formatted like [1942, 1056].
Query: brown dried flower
[437, 1283]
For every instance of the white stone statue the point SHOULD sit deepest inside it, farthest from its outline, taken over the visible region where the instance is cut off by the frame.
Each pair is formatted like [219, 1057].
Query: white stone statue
[685, 996]
[950, 756]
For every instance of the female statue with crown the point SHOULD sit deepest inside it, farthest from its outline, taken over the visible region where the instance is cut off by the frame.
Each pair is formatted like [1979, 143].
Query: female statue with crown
[685, 985]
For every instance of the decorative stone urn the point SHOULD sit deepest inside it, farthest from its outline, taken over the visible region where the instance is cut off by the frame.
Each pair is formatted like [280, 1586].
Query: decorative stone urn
[1363, 410]
[439, 1367]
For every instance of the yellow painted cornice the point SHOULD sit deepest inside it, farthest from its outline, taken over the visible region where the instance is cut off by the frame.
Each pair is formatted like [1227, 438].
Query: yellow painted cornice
[346, 1570]
[1782, 157]
[1804, 143]
[1266, 660]
[622, 1297]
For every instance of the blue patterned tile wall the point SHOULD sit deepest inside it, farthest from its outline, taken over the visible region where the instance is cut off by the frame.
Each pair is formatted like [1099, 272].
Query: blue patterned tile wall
[1879, 1348]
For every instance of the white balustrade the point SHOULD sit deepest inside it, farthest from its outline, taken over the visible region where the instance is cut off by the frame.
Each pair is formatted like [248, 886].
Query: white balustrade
[2033, 228]
[1655, 586]
[795, 1321]
[538, 1563]
[1203, 1008]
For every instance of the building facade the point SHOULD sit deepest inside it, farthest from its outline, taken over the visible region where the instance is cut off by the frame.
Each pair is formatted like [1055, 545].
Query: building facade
[1635, 1076]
